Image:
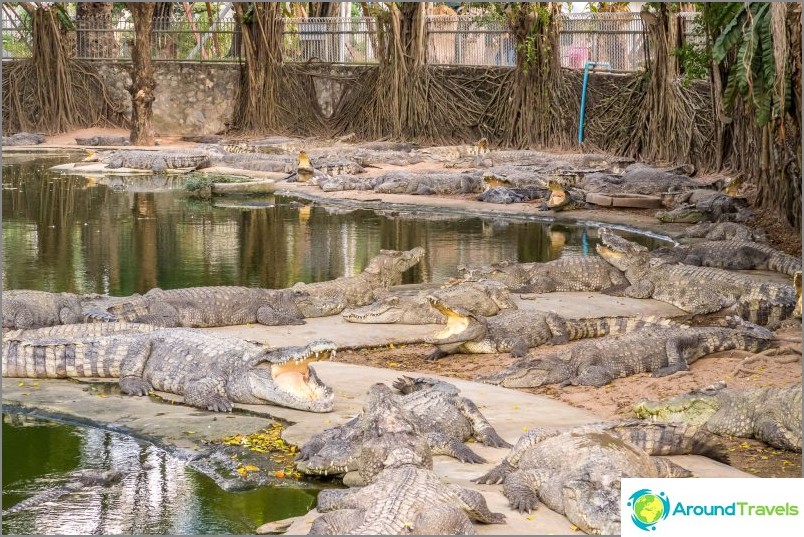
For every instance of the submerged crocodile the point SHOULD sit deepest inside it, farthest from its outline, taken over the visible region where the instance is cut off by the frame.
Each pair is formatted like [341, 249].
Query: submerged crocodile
[32, 309]
[577, 473]
[436, 410]
[723, 231]
[696, 290]
[383, 271]
[568, 273]
[201, 307]
[156, 161]
[403, 494]
[79, 481]
[208, 370]
[772, 415]
[484, 298]
[662, 350]
[517, 331]
[733, 255]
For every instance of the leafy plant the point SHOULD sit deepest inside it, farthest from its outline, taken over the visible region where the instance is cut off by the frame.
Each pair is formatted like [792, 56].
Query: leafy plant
[694, 61]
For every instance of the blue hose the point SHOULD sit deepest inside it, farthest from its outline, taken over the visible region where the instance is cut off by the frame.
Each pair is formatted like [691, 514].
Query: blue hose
[583, 94]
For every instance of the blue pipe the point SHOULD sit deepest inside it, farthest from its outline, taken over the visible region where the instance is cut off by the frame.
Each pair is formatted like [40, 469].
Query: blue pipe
[583, 94]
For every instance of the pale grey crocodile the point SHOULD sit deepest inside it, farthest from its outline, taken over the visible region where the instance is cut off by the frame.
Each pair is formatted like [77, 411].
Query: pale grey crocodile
[428, 183]
[518, 331]
[437, 411]
[201, 307]
[772, 415]
[78, 481]
[32, 309]
[696, 290]
[723, 231]
[402, 494]
[156, 161]
[661, 349]
[705, 206]
[383, 271]
[484, 298]
[208, 370]
[577, 473]
[23, 138]
[733, 255]
[568, 273]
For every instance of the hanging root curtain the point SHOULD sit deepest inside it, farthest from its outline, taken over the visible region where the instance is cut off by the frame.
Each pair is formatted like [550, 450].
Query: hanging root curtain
[52, 92]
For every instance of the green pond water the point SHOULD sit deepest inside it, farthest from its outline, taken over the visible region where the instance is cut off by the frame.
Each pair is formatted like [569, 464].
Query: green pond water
[101, 235]
[159, 493]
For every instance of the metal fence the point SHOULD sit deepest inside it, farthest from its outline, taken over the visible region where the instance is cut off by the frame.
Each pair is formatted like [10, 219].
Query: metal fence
[331, 39]
[616, 38]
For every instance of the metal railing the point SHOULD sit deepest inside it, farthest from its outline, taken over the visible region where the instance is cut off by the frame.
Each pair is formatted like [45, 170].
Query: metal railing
[616, 38]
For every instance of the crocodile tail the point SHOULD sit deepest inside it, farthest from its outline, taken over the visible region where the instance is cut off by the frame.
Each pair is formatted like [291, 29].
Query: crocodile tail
[671, 439]
[609, 326]
[38, 499]
[131, 309]
[786, 264]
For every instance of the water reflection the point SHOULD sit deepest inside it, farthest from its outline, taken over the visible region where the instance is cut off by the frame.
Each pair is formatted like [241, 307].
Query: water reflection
[159, 493]
[71, 233]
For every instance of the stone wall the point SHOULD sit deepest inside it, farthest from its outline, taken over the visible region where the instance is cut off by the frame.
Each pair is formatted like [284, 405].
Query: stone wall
[191, 98]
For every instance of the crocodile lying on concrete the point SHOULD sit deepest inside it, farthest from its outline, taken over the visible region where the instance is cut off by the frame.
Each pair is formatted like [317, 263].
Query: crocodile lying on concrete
[696, 290]
[428, 183]
[32, 309]
[403, 494]
[568, 273]
[203, 307]
[346, 182]
[209, 370]
[517, 331]
[772, 415]
[577, 473]
[83, 330]
[437, 411]
[723, 231]
[23, 138]
[484, 298]
[383, 271]
[156, 161]
[103, 140]
[733, 255]
[79, 481]
[640, 178]
[662, 350]
[706, 206]
[504, 195]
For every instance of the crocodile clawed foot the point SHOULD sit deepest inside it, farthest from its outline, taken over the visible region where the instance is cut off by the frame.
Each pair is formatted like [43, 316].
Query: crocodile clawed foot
[219, 404]
[135, 386]
[435, 355]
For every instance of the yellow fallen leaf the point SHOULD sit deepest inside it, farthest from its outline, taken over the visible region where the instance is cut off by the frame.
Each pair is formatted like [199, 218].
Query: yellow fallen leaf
[35, 384]
[574, 527]
[531, 517]
[103, 395]
[251, 468]
[280, 474]
[391, 346]
[24, 393]
[21, 383]
[393, 364]
[189, 432]
[524, 429]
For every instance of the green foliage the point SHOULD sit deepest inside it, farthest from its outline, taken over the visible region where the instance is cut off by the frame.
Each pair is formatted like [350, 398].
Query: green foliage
[694, 62]
[752, 73]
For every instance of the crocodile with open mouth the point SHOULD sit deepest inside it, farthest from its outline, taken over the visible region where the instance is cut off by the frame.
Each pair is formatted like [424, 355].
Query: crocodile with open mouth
[696, 290]
[208, 370]
[772, 415]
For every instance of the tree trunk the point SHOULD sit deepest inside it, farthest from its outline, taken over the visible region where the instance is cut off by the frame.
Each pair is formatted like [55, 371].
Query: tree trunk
[94, 31]
[143, 83]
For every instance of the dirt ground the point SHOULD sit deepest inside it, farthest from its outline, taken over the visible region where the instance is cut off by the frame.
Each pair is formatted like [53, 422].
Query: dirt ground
[614, 401]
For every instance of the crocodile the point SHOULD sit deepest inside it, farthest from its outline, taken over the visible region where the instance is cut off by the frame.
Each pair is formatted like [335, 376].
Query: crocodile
[517, 331]
[103, 140]
[733, 255]
[505, 195]
[156, 161]
[339, 183]
[484, 298]
[383, 271]
[723, 231]
[203, 307]
[23, 138]
[642, 179]
[696, 290]
[705, 206]
[568, 273]
[436, 410]
[426, 183]
[32, 309]
[564, 199]
[577, 472]
[659, 349]
[772, 415]
[208, 370]
[83, 330]
[78, 481]
[402, 494]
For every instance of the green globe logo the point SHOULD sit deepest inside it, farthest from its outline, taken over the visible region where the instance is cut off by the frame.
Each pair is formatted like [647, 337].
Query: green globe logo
[648, 508]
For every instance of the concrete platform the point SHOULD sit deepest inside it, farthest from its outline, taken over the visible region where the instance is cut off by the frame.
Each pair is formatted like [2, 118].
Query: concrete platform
[184, 429]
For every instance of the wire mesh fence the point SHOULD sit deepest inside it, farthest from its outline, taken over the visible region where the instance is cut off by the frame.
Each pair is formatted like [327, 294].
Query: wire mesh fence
[616, 38]
[331, 39]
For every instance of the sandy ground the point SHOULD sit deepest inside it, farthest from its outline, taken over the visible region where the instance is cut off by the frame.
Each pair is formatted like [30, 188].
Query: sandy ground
[615, 400]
